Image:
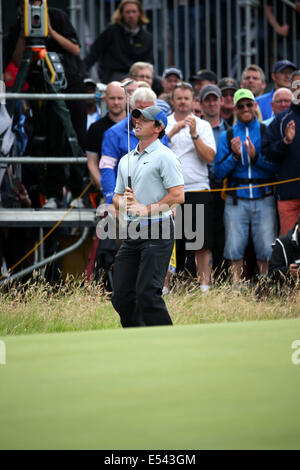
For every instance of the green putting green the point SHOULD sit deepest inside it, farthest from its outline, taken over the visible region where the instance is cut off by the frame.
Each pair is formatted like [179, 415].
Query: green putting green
[218, 386]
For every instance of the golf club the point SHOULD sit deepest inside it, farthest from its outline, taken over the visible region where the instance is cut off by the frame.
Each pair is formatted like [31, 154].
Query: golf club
[125, 85]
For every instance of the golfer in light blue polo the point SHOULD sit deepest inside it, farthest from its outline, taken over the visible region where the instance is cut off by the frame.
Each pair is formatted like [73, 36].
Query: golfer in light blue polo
[157, 185]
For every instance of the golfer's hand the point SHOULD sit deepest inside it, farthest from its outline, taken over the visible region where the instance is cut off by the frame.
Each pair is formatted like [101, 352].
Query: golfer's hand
[290, 132]
[133, 206]
[129, 194]
[250, 147]
[236, 146]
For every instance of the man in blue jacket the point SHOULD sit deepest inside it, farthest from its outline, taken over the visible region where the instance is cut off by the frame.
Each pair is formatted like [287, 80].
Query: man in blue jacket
[281, 144]
[239, 159]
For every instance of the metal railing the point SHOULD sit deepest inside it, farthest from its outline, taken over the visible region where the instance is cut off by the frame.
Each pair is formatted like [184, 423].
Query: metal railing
[83, 218]
[222, 35]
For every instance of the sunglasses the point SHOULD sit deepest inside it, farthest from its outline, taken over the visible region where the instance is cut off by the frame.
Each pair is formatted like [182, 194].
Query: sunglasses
[228, 93]
[143, 77]
[183, 85]
[282, 101]
[248, 105]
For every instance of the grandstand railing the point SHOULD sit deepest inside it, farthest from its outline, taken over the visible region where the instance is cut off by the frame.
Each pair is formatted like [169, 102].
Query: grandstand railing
[14, 217]
[222, 35]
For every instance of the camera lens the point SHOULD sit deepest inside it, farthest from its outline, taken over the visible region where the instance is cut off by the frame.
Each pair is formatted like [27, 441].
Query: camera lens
[36, 21]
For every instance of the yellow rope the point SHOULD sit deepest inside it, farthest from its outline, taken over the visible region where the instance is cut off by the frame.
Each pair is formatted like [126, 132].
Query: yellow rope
[246, 187]
[87, 187]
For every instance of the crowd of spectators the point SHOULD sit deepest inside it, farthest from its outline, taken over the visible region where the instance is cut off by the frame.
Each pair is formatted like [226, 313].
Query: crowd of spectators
[227, 134]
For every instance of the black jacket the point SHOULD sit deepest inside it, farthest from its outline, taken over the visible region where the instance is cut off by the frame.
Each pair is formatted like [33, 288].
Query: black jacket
[116, 50]
[286, 250]
[285, 155]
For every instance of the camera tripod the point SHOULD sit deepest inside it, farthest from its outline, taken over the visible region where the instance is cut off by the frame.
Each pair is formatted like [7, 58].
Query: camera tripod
[47, 66]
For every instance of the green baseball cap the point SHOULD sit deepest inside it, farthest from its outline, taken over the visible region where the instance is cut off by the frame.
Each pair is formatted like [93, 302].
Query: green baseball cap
[241, 94]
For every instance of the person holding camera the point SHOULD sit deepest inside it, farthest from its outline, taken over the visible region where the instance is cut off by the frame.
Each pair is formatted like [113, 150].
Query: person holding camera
[285, 260]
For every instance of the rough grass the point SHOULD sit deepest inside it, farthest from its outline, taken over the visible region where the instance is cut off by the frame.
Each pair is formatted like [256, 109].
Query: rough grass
[75, 305]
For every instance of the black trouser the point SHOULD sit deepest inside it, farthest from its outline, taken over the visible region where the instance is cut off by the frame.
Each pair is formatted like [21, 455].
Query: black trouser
[140, 269]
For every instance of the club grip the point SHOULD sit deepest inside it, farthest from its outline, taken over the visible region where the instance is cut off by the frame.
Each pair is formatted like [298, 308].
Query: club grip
[129, 182]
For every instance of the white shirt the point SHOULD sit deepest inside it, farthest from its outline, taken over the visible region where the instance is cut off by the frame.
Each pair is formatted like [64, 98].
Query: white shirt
[194, 169]
[91, 118]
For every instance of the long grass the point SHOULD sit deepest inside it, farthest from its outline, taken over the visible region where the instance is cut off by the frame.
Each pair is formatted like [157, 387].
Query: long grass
[75, 304]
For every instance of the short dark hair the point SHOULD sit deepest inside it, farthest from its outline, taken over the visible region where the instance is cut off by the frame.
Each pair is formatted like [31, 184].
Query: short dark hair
[162, 132]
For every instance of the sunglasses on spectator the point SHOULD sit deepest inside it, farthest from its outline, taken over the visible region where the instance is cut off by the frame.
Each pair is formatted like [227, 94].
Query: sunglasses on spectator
[282, 101]
[249, 105]
[183, 85]
[143, 77]
[228, 93]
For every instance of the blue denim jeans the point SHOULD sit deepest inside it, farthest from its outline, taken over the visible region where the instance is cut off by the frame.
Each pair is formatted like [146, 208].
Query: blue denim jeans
[257, 215]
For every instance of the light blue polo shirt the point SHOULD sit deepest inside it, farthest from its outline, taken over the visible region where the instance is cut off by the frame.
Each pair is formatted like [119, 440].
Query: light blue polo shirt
[153, 172]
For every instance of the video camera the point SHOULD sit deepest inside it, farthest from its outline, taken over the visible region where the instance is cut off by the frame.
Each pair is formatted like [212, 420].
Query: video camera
[35, 22]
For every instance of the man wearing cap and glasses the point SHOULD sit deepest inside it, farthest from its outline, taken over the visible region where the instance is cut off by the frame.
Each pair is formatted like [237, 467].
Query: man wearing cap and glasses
[228, 87]
[281, 76]
[143, 259]
[240, 159]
